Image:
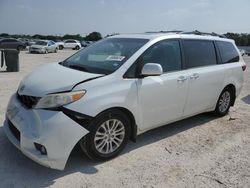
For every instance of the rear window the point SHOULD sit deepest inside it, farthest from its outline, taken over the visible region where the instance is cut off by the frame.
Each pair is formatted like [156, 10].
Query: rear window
[199, 53]
[228, 52]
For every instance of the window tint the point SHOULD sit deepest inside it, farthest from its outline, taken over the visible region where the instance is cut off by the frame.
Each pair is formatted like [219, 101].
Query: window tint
[9, 40]
[70, 41]
[228, 52]
[165, 53]
[199, 53]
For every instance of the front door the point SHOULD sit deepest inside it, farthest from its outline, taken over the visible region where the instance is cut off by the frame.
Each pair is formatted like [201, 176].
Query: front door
[161, 99]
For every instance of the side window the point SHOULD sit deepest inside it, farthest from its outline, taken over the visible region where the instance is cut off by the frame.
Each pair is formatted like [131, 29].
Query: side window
[166, 53]
[199, 53]
[228, 52]
[8, 40]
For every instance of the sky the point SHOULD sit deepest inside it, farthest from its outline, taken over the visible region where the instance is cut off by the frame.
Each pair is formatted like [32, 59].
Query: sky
[59, 17]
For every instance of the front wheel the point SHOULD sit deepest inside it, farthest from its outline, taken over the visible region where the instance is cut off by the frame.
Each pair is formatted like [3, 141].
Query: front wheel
[77, 47]
[108, 136]
[224, 102]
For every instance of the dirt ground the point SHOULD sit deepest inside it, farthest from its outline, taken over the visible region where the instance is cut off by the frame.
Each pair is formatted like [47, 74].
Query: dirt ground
[202, 151]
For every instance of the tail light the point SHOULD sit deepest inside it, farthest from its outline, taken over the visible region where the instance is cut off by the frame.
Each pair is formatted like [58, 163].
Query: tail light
[244, 67]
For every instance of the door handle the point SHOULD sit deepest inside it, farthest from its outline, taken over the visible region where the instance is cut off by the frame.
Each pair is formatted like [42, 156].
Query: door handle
[182, 79]
[194, 76]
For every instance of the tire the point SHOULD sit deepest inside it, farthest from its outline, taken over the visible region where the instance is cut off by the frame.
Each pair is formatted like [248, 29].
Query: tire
[20, 48]
[77, 47]
[55, 50]
[224, 102]
[60, 47]
[97, 144]
[46, 51]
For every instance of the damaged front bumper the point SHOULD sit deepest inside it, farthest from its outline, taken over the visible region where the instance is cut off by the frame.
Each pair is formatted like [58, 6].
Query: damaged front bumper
[54, 130]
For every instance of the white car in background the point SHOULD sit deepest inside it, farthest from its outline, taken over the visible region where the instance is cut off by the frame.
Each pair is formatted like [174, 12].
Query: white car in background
[43, 46]
[72, 44]
[242, 52]
[119, 87]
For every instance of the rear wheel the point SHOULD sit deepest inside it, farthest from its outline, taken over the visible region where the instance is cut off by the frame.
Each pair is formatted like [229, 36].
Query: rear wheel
[19, 48]
[60, 47]
[77, 47]
[224, 102]
[108, 136]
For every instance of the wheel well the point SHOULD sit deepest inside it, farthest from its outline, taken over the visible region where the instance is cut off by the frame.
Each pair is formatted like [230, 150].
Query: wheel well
[232, 88]
[129, 114]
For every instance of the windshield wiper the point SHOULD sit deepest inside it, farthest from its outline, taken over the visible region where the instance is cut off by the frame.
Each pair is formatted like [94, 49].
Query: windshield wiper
[78, 67]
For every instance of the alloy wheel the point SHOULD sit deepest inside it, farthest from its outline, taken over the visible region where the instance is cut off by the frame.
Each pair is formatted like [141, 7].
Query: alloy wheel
[109, 136]
[224, 101]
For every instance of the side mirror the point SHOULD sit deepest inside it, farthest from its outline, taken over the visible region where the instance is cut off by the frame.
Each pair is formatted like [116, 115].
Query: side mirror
[151, 69]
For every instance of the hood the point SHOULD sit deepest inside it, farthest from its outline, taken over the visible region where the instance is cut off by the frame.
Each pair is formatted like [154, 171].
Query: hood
[52, 78]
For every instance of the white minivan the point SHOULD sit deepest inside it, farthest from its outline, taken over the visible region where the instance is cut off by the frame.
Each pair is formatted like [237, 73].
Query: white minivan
[105, 95]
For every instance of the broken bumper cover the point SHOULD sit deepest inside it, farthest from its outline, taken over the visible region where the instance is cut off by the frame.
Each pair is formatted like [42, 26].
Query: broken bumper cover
[52, 129]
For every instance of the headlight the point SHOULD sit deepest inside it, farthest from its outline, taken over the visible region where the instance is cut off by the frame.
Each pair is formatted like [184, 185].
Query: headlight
[59, 99]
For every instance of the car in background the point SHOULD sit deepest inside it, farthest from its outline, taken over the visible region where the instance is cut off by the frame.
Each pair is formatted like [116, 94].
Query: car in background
[72, 44]
[10, 43]
[27, 42]
[242, 52]
[86, 43]
[60, 45]
[43, 46]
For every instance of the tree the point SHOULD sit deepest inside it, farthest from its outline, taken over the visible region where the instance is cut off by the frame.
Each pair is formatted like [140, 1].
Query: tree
[75, 37]
[4, 35]
[94, 36]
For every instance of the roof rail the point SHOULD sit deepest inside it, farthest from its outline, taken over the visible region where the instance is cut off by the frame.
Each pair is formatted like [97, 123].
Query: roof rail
[171, 31]
[196, 32]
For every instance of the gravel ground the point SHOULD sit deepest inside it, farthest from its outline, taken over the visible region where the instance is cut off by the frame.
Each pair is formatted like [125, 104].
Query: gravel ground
[202, 151]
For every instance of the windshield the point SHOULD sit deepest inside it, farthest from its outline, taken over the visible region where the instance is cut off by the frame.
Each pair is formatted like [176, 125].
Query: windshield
[43, 43]
[105, 56]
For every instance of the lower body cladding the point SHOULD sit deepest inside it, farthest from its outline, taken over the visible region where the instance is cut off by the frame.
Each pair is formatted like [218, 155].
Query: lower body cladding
[46, 137]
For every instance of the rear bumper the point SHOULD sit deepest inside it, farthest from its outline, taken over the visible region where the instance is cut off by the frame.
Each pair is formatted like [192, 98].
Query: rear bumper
[54, 130]
[36, 50]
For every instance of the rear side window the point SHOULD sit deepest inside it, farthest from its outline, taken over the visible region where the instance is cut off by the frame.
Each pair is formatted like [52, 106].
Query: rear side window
[228, 52]
[199, 53]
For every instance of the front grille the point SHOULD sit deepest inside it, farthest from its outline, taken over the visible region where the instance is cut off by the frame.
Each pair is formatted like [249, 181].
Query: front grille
[14, 130]
[28, 101]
